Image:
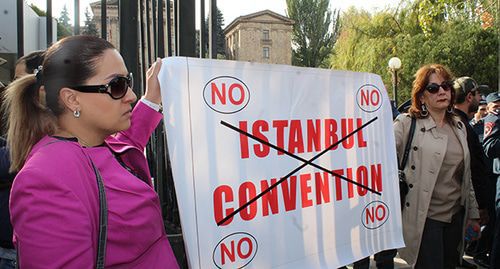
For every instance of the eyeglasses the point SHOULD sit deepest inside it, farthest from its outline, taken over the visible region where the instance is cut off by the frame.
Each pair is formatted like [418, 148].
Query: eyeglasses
[116, 88]
[434, 87]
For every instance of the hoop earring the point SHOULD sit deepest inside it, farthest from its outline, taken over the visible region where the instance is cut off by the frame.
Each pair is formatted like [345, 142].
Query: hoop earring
[424, 111]
[450, 109]
[76, 113]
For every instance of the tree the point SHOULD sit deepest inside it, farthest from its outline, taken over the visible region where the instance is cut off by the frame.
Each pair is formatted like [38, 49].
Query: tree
[367, 41]
[63, 26]
[221, 38]
[61, 30]
[90, 26]
[314, 33]
[64, 18]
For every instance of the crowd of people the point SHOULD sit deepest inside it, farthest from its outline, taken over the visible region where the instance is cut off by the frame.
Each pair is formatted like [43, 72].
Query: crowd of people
[75, 146]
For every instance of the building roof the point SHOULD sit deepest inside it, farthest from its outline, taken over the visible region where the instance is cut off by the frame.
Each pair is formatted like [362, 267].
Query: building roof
[250, 17]
[108, 2]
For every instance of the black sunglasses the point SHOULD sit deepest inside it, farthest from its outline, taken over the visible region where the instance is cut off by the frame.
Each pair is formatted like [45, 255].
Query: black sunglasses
[434, 87]
[116, 88]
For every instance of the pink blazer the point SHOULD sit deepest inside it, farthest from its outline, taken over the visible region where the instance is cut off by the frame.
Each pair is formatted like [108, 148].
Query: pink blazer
[55, 207]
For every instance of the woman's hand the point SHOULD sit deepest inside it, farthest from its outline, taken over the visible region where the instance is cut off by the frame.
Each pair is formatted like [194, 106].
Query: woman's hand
[153, 92]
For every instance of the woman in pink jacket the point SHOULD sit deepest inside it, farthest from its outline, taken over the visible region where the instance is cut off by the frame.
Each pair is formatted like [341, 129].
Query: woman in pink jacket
[83, 196]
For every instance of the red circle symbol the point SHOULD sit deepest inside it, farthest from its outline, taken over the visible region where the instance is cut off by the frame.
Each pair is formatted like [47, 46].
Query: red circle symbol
[369, 98]
[226, 94]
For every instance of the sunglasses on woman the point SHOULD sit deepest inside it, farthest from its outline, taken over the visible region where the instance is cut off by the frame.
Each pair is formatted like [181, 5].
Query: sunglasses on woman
[434, 87]
[116, 88]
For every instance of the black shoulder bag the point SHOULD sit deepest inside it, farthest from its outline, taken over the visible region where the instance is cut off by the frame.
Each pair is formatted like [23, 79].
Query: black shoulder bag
[403, 185]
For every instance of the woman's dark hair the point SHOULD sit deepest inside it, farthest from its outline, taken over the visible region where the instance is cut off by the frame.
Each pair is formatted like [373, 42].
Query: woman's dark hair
[70, 61]
[32, 61]
[421, 81]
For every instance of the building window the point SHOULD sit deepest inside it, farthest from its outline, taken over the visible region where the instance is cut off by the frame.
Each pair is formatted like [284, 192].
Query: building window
[265, 52]
[265, 34]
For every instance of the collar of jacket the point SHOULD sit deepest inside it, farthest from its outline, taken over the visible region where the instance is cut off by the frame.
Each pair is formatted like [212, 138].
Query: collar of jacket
[429, 122]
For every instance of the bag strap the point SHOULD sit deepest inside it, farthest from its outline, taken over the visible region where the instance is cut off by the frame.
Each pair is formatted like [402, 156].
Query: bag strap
[408, 143]
[103, 217]
[103, 220]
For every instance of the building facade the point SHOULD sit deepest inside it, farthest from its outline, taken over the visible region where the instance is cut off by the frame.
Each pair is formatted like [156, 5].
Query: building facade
[264, 37]
[112, 22]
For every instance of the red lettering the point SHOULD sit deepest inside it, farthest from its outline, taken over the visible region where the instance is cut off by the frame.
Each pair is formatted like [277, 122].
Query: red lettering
[331, 133]
[361, 139]
[365, 98]
[370, 216]
[347, 128]
[246, 193]
[220, 95]
[295, 142]
[322, 188]
[270, 199]
[227, 192]
[280, 133]
[242, 94]
[362, 178]
[350, 190]
[305, 189]
[226, 252]
[250, 248]
[338, 184]
[289, 189]
[376, 177]
[243, 140]
[377, 215]
[260, 149]
[374, 97]
[313, 135]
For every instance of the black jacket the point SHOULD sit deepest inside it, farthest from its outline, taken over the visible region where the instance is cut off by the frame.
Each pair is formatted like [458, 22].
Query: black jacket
[5, 183]
[492, 148]
[479, 167]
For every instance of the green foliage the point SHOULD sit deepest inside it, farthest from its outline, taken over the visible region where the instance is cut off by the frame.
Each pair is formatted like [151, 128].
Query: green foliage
[314, 33]
[61, 30]
[64, 18]
[38, 11]
[461, 42]
[90, 26]
[221, 38]
[63, 26]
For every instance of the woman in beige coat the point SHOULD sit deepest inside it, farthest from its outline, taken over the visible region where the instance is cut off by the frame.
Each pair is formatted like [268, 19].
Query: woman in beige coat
[440, 202]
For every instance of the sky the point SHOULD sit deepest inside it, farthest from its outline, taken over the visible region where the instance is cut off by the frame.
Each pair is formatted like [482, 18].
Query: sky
[231, 9]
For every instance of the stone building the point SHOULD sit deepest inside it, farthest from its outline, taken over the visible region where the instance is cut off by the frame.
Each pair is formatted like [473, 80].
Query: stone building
[112, 22]
[264, 36]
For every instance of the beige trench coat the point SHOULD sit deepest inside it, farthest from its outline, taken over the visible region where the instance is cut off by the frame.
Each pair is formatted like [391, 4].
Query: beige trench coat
[424, 162]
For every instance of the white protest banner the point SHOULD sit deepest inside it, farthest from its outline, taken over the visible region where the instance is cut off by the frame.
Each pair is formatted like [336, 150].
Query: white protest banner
[278, 166]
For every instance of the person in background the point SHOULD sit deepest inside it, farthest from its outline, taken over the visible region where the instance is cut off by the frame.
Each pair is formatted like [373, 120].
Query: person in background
[467, 100]
[477, 122]
[24, 66]
[441, 202]
[84, 147]
[491, 145]
[7, 251]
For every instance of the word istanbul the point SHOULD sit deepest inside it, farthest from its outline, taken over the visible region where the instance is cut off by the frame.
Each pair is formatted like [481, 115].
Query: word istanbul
[303, 135]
